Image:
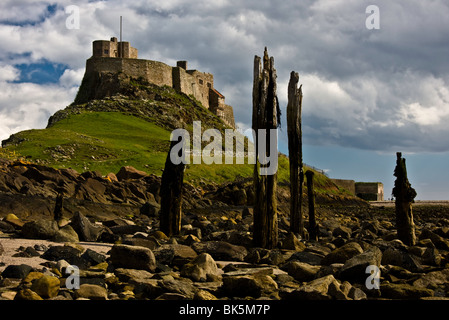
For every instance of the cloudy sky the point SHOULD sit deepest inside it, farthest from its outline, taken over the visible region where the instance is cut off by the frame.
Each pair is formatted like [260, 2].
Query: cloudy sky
[367, 92]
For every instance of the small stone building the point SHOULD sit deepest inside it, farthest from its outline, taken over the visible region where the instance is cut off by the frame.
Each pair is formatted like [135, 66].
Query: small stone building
[369, 191]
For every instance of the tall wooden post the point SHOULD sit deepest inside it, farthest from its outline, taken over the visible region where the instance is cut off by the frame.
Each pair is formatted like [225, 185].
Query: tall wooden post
[295, 154]
[59, 203]
[171, 196]
[404, 194]
[265, 116]
[313, 227]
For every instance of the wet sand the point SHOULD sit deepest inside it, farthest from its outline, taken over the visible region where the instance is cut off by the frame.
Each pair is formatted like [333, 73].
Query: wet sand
[416, 203]
[11, 246]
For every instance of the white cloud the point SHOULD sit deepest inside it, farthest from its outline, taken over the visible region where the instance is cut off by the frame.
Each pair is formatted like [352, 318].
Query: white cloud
[415, 112]
[363, 89]
[8, 73]
[28, 105]
[71, 78]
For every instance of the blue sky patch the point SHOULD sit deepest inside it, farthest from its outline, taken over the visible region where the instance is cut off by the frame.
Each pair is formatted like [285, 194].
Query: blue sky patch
[40, 73]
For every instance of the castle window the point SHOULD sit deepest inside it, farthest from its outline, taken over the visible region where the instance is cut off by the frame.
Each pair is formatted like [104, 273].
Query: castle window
[106, 51]
[201, 81]
[209, 85]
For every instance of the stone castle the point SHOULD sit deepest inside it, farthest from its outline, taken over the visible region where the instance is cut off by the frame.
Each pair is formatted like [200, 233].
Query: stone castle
[115, 56]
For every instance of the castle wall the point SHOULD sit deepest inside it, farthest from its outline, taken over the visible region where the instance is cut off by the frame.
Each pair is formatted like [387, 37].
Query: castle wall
[226, 113]
[101, 64]
[203, 82]
[104, 48]
[126, 50]
[191, 82]
[153, 71]
[183, 82]
[216, 100]
[156, 72]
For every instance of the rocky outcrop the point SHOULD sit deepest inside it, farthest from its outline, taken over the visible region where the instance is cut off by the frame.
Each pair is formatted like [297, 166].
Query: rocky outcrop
[213, 256]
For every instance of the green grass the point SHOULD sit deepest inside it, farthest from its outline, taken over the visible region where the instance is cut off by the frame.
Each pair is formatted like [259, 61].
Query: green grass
[106, 141]
[103, 141]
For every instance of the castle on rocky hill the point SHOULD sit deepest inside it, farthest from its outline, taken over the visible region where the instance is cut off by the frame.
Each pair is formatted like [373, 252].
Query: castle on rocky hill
[115, 56]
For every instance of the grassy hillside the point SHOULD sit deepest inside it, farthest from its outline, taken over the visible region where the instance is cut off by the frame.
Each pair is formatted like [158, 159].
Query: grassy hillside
[106, 141]
[103, 141]
[131, 128]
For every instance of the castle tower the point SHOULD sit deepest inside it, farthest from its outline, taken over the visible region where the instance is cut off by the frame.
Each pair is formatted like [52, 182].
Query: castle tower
[113, 49]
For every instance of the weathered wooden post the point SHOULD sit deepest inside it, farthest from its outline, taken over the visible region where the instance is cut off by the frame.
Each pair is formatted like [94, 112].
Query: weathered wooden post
[265, 116]
[171, 195]
[295, 154]
[313, 227]
[404, 194]
[59, 203]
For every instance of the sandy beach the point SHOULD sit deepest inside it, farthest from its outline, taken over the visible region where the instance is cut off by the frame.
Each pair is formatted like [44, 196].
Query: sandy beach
[11, 246]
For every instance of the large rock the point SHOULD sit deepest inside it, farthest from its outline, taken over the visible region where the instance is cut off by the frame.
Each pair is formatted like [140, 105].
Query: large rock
[6, 227]
[46, 286]
[345, 252]
[431, 256]
[40, 229]
[132, 275]
[402, 259]
[133, 257]
[317, 289]
[41, 174]
[343, 232]
[174, 254]
[183, 287]
[440, 242]
[86, 230]
[252, 285]
[92, 292]
[68, 253]
[403, 291]
[128, 229]
[16, 271]
[93, 257]
[312, 258]
[66, 234]
[150, 209]
[354, 268]
[128, 173]
[14, 220]
[432, 279]
[291, 242]
[301, 271]
[221, 250]
[202, 268]
[91, 190]
[27, 294]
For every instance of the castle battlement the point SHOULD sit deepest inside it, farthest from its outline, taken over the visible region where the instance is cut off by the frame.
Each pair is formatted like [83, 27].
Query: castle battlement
[113, 56]
[113, 49]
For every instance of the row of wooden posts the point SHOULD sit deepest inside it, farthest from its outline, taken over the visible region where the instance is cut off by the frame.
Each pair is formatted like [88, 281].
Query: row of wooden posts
[265, 115]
